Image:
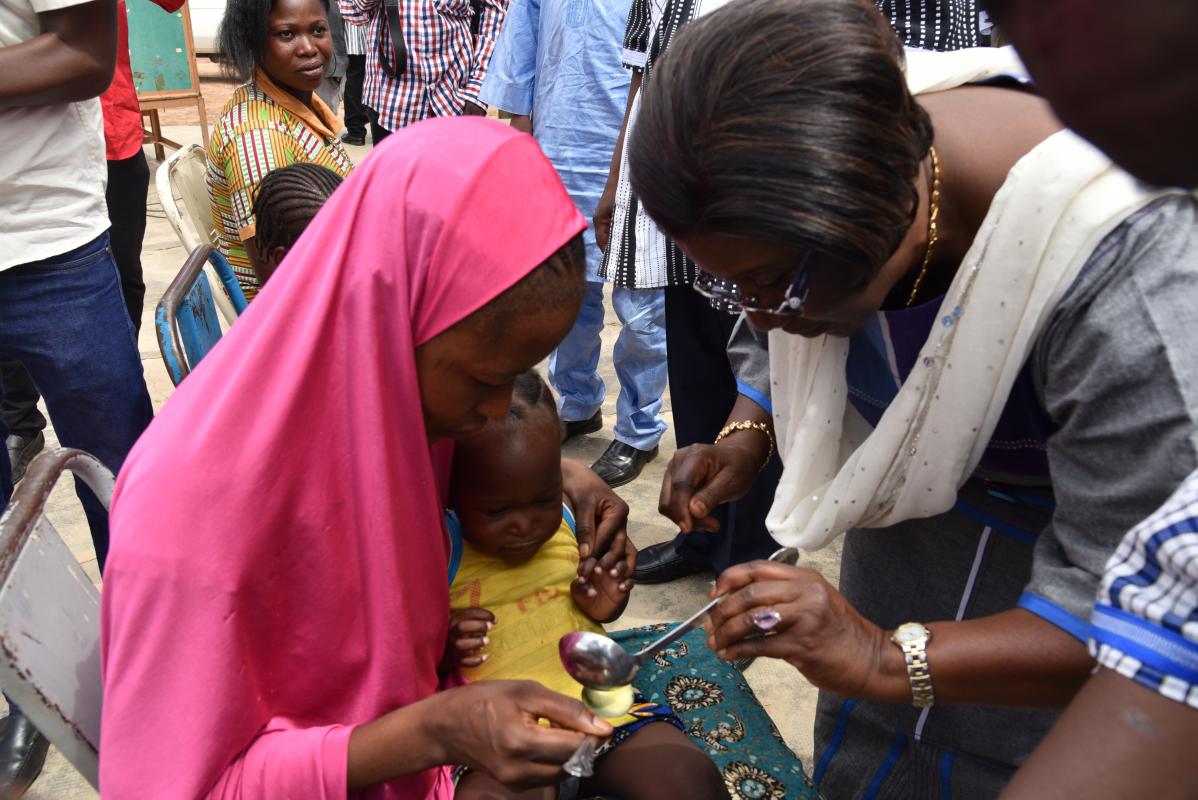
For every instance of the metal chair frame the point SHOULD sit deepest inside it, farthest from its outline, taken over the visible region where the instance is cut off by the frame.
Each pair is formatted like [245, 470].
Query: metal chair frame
[185, 321]
[50, 651]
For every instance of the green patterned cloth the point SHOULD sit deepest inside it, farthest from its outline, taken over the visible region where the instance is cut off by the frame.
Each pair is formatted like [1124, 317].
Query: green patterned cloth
[722, 715]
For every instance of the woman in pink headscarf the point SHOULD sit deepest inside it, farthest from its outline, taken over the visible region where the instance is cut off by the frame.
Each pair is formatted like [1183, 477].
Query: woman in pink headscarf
[275, 603]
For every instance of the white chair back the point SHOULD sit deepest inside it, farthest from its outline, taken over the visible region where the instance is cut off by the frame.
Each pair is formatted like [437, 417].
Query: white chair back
[50, 615]
[184, 177]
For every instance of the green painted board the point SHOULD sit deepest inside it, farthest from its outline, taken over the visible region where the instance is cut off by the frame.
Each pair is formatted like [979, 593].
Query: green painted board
[159, 50]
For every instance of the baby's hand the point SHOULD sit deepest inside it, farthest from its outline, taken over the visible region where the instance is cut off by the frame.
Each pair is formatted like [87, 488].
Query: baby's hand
[467, 638]
[603, 595]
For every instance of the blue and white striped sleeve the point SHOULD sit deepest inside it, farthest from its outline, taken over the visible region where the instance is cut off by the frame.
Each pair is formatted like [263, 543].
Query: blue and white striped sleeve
[1145, 623]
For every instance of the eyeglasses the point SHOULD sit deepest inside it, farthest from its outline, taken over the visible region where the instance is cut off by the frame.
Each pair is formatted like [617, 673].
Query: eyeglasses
[731, 295]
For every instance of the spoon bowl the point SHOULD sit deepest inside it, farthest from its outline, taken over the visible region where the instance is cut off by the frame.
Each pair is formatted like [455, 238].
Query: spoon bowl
[596, 661]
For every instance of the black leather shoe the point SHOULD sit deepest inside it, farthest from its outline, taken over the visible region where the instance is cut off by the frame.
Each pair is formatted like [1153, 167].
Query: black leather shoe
[662, 563]
[621, 463]
[581, 427]
[356, 139]
[21, 450]
[22, 755]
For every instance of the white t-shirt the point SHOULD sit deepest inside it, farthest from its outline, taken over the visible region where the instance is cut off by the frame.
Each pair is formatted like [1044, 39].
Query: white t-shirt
[52, 167]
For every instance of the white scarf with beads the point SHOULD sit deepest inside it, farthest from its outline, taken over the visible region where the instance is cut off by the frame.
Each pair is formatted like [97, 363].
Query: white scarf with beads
[1056, 205]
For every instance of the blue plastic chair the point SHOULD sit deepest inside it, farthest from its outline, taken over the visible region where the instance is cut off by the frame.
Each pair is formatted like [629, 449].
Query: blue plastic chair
[186, 320]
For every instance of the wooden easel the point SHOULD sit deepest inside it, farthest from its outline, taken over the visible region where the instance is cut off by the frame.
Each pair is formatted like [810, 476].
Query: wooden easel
[153, 101]
[154, 132]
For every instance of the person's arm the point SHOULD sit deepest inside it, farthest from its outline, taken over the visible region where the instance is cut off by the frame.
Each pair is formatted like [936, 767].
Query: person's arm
[602, 523]
[490, 726]
[607, 201]
[490, 21]
[638, 34]
[1116, 740]
[72, 59]
[522, 123]
[511, 77]
[701, 477]
[603, 595]
[1010, 659]
[1128, 733]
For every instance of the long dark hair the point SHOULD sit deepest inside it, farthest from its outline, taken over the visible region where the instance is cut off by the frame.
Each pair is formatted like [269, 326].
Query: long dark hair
[787, 121]
[242, 36]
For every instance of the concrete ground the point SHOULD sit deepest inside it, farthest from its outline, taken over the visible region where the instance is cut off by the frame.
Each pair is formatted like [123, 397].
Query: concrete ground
[787, 696]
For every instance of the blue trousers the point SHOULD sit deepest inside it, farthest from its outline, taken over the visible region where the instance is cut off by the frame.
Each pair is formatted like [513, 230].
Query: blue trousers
[65, 320]
[639, 357]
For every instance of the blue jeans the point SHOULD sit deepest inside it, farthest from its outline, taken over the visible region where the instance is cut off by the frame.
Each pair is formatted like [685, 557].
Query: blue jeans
[65, 320]
[639, 357]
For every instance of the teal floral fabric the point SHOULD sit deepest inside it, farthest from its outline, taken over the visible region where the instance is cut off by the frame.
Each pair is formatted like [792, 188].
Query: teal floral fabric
[720, 712]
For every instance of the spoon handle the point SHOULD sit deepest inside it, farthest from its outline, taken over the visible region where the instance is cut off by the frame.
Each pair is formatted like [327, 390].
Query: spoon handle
[787, 555]
[677, 633]
[582, 763]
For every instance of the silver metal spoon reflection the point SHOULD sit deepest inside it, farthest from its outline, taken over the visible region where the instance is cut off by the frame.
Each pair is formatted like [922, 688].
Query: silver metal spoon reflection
[598, 662]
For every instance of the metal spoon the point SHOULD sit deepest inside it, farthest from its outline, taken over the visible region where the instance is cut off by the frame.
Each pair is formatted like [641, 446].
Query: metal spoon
[598, 662]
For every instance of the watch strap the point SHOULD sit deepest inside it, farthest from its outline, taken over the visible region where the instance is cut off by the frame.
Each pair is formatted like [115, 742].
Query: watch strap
[916, 656]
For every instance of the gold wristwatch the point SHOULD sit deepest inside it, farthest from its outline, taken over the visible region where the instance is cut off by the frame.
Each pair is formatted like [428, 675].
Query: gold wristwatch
[913, 638]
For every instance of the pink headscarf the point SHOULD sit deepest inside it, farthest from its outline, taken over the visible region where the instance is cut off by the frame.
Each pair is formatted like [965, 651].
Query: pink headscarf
[278, 564]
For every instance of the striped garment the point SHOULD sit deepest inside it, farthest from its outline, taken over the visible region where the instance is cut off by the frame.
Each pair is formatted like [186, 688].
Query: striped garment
[938, 25]
[446, 60]
[1145, 624]
[355, 39]
[261, 128]
[639, 256]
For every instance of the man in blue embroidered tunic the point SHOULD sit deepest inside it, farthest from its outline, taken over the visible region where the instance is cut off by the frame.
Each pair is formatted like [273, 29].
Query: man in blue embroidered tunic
[557, 69]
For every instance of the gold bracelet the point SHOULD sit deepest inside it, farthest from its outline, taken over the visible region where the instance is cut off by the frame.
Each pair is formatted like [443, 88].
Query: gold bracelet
[748, 425]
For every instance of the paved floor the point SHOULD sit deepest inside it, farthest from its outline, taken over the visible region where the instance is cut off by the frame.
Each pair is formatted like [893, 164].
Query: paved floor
[789, 699]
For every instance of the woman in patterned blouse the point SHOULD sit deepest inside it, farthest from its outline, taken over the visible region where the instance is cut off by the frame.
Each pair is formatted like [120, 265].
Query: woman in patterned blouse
[281, 50]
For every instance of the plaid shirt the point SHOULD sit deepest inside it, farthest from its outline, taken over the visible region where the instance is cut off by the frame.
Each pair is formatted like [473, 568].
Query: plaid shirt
[1145, 625]
[446, 61]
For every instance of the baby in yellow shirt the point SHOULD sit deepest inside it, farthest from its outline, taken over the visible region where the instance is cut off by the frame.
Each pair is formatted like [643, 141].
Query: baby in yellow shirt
[515, 590]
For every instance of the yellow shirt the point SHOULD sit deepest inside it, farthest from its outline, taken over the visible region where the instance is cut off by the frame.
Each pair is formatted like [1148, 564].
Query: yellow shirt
[533, 606]
[262, 128]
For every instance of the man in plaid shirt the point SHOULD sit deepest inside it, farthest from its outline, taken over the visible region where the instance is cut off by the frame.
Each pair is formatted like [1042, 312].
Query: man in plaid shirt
[448, 44]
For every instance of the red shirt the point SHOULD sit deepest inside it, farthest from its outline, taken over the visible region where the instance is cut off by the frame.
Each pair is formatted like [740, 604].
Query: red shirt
[122, 113]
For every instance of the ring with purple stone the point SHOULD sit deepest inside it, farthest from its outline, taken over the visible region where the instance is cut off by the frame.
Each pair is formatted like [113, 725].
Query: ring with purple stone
[766, 619]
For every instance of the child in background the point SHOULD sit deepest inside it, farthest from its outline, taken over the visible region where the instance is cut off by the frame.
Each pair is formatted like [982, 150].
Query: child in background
[515, 591]
[288, 199]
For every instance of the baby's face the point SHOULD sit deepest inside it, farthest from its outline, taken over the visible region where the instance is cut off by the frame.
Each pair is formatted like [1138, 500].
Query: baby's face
[507, 489]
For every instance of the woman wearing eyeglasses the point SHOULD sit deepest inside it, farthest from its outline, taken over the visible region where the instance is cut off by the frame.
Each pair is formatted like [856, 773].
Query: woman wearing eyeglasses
[980, 371]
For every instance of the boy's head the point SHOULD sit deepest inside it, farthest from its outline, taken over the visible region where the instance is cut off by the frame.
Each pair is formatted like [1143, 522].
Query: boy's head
[507, 478]
[288, 199]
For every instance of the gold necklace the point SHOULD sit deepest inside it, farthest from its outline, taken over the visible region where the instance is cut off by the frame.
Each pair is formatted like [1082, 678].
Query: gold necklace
[933, 213]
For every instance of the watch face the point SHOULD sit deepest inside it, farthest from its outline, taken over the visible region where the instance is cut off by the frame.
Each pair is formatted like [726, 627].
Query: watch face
[909, 633]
